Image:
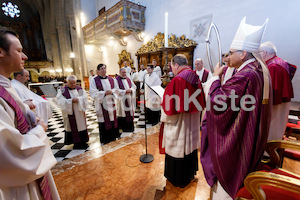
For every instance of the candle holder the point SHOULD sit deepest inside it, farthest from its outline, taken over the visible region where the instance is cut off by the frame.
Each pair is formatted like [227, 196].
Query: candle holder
[166, 69]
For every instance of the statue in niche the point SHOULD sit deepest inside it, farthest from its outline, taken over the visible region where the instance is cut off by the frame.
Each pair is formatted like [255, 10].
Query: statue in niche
[125, 56]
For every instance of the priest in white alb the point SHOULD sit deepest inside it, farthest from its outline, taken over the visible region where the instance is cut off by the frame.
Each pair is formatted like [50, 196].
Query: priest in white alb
[142, 74]
[35, 102]
[203, 73]
[126, 101]
[73, 102]
[153, 101]
[25, 157]
[102, 89]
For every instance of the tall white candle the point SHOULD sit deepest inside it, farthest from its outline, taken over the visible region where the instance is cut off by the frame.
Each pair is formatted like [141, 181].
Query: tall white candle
[166, 30]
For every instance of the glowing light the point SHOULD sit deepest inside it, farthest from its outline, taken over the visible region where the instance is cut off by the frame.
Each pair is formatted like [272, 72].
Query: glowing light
[89, 49]
[69, 70]
[83, 19]
[72, 55]
[11, 10]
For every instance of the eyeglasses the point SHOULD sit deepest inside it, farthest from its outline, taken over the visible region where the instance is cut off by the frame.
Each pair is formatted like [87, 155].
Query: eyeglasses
[232, 52]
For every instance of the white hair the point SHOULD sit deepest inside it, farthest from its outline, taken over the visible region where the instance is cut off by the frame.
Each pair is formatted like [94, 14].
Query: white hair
[199, 59]
[269, 47]
[71, 78]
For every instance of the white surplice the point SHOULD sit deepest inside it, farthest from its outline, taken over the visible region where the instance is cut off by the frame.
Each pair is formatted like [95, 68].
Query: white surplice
[153, 101]
[91, 78]
[279, 119]
[42, 106]
[135, 76]
[200, 74]
[99, 97]
[142, 74]
[128, 70]
[24, 158]
[181, 133]
[157, 70]
[121, 96]
[67, 108]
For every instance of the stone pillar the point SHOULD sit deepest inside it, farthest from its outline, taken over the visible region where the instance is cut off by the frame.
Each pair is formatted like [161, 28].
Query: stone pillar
[55, 52]
[74, 41]
[64, 45]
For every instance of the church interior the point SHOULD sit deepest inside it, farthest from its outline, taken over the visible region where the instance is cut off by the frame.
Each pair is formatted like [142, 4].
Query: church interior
[71, 37]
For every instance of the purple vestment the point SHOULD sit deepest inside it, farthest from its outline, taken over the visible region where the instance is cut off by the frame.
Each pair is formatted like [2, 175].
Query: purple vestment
[23, 127]
[99, 86]
[129, 118]
[72, 118]
[233, 142]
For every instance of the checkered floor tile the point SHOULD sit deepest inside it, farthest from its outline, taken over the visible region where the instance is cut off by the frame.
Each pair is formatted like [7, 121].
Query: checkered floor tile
[56, 130]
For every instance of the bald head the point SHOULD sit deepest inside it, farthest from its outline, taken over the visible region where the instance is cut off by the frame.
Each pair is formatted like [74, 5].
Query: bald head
[267, 50]
[198, 64]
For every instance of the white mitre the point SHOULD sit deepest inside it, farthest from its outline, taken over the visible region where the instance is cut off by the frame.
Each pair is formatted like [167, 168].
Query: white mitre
[248, 37]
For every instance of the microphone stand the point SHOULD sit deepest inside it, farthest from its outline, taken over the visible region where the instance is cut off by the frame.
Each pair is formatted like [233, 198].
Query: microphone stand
[146, 158]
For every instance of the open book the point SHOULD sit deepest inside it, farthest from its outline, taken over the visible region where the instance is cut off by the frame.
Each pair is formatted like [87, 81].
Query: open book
[158, 90]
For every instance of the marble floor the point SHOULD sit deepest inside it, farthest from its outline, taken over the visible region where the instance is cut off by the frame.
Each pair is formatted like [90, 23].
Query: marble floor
[56, 131]
[114, 171]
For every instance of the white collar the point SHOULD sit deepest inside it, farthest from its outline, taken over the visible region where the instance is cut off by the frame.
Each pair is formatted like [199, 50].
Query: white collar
[245, 63]
[5, 82]
[199, 71]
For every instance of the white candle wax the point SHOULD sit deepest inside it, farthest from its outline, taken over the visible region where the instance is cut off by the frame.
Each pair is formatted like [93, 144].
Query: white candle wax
[166, 30]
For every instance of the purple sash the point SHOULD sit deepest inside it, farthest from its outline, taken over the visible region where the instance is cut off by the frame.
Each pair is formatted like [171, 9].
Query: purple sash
[205, 76]
[72, 118]
[190, 76]
[22, 124]
[129, 118]
[23, 127]
[107, 122]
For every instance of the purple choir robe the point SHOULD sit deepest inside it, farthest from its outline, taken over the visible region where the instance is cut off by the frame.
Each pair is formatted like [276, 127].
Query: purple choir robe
[233, 142]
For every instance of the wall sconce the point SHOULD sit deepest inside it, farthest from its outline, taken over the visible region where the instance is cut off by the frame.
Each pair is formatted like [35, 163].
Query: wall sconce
[52, 71]
[58, 70]
[100, 49]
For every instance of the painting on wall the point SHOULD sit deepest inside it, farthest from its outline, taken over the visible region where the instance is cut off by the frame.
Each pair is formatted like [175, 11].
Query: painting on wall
[199, 28]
